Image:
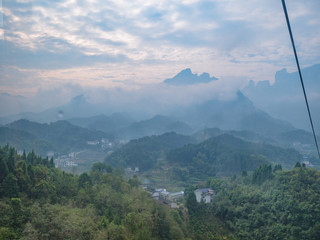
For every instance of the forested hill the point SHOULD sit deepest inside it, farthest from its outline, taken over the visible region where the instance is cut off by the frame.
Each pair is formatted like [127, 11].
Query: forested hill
[144, 152]
[223, 155]
[59, 136]
[272, 204]
[226, 155]
[38, 201]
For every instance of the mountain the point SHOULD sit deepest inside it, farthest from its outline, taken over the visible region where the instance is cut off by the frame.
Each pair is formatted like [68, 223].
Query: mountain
[235, 114]
[154, 126]
[103, 123]
[225, 155]
[77, 107]
[284, 98]
[186, 77]
[245, 135]
[145, 152]
[24, 141]
[61, 135]
[10, 104]
[222, 155]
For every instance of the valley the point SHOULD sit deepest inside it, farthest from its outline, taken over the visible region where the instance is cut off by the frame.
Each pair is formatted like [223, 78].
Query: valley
[125, 169]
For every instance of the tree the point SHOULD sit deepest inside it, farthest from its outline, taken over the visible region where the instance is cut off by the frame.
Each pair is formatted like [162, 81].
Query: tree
[244, 173]
[134, 182]
[3, 169]
[84, 181]
[18, 216]
[9, 186]
[262, 174]
[100, 167]
[11, 160]
[7, 234]
[277, 167]
[298, 165]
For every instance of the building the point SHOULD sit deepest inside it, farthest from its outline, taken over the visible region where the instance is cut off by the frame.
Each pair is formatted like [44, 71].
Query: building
[160, 193]
[175, 196]
[173, 205]
[205, 195]
[131, 170]
[96, 142]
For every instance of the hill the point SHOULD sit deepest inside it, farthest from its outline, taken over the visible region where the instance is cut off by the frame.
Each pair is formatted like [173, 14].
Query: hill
[155, 126]
[24, 141]
[61, 135]
[108, 124]
[284, 206]
[145, 152]
[225, 155]
[38, 201]
[222, 155]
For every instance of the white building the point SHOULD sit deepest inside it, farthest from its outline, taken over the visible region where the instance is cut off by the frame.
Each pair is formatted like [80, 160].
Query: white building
[176, 195]
[96, 142]
[205, 194]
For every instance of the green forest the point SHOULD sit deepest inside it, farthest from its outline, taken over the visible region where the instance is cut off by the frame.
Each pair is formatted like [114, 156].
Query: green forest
[270, 204]
[38, 201]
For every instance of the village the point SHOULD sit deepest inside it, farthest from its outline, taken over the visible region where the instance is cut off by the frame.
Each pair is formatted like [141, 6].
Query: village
[161, 195]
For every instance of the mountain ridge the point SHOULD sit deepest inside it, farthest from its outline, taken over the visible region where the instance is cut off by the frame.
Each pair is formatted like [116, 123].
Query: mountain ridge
[186, 77]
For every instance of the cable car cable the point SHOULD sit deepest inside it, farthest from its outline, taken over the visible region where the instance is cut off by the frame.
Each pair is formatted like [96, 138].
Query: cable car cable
[300, 75]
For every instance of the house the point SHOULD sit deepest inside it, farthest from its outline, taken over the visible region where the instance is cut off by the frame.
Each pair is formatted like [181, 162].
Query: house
[173, 205]
[160, 193]
[96, 142]
[156, 195]
[131, 170]
[175, 196]
[205, 195]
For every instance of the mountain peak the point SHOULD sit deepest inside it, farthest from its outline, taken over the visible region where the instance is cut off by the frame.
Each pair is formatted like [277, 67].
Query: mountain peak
[79, 99]
[186, 77]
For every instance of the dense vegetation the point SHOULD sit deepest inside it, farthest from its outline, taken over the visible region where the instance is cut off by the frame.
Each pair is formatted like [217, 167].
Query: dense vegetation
[59, 136]
[223, 155]
[270, 204]
[226, 155]
[38, 201]
[144, 152]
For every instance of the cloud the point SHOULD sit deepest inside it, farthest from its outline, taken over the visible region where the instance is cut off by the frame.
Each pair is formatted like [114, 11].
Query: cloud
[142, 42]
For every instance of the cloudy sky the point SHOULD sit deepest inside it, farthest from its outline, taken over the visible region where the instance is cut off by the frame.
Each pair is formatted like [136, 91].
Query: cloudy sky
[65, 46]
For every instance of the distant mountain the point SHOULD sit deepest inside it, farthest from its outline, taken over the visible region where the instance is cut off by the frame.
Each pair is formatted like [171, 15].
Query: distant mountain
[186, 77]
[103, 123]
[154, 126]
[77, 107]
[10, 104]
[61, 135]
[236, 114]
[298, 139]
[245, 135]
[284, 98]
[145, 152]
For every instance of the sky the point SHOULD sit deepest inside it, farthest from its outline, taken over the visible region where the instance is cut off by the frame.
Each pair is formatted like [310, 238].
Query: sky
[54, 50]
